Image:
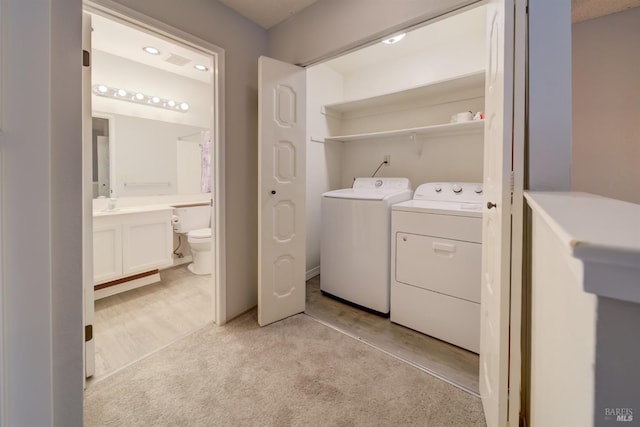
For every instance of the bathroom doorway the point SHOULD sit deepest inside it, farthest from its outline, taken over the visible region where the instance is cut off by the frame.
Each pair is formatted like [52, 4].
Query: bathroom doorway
[156, 146]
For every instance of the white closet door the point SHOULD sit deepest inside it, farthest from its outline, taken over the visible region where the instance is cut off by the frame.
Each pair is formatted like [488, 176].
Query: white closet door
[281, 197]
[496, 238]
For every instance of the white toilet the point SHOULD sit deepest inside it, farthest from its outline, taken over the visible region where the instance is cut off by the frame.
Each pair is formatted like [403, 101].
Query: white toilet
[194, 222]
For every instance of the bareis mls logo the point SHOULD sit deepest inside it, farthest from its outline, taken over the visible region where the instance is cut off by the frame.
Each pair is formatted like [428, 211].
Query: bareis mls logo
[618, 414]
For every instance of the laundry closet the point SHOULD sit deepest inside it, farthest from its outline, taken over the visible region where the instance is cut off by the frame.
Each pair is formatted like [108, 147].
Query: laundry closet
[396, 102]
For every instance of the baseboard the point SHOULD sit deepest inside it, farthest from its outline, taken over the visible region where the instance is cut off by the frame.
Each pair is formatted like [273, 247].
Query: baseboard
[313, 272]
[126, 286]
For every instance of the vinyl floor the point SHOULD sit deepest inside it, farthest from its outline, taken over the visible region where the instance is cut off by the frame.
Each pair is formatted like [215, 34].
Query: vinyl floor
[133, 324]
[446, 361]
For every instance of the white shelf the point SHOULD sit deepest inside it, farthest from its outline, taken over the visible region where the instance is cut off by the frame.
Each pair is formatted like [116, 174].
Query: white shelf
[474, 126]
[433, 91]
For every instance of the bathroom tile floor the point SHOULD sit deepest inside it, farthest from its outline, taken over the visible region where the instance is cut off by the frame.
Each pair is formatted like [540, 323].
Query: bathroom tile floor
[130, 325]
[453, 364]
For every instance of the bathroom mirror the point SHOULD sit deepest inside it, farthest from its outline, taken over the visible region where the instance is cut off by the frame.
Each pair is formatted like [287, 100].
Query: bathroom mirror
[134, 156]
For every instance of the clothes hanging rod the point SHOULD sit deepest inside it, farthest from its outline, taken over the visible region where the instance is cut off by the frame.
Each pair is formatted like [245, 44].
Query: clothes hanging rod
[182, 138]
[147, 184]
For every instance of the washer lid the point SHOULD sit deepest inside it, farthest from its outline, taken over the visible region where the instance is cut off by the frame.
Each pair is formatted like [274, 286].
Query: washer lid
[201, 233]
[350, 193]
[372, 189]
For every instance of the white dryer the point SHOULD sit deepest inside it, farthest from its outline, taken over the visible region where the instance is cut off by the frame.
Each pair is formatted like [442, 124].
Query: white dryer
[355, 243]
[436, 257]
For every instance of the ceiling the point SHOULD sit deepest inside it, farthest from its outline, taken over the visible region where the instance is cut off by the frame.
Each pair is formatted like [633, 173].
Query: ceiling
[127, 42]
[268, 13]
[124, 41]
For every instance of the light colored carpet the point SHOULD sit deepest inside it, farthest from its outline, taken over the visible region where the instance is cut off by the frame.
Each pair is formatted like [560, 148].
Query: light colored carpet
[296, 372]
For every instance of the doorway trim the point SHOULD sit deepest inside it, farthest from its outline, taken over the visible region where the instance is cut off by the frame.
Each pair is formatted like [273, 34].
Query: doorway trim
[143, 22]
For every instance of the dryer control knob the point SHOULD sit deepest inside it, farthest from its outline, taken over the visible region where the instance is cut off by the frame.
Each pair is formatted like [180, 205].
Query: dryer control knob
[456, 188]
[478, 190]
[437, 188]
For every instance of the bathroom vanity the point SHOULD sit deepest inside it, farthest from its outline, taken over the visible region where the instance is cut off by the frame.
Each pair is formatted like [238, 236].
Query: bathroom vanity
[130, 245]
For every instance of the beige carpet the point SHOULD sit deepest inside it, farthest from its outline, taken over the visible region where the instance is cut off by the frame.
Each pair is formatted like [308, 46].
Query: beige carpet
[296, 372]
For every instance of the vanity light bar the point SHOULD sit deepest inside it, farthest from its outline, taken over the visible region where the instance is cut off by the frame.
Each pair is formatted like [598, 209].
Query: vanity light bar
[140, 98]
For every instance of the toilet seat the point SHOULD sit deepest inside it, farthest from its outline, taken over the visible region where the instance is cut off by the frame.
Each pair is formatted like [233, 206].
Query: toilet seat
[201, 233]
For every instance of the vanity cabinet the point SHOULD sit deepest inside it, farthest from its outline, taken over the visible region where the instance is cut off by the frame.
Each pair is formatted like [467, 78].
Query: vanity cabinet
[129, 243]
[107, 251]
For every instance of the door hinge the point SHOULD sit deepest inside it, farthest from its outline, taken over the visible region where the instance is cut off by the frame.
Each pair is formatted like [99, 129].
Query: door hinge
[88, 333]
[511, 182]
[86, 58]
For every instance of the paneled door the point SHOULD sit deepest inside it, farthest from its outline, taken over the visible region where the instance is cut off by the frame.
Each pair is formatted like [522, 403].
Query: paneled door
[281, 190]
[499, 142]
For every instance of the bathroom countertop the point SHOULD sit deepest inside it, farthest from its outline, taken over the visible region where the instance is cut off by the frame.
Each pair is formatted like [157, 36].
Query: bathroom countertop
[127, 210]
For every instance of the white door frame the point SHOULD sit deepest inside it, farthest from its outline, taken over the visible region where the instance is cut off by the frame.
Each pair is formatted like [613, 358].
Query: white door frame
[130, 17]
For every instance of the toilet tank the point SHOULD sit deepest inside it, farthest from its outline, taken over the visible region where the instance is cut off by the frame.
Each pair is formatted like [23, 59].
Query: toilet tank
[191, 218]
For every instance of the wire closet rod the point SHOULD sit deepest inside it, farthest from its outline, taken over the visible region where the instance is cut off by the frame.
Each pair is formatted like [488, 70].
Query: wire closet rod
[182, 138]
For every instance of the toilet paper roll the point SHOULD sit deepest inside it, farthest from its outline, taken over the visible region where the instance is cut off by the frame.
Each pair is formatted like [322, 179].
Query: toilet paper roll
[175, 219]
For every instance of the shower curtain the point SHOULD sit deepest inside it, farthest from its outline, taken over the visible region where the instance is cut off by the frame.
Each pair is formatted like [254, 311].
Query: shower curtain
[205, 181]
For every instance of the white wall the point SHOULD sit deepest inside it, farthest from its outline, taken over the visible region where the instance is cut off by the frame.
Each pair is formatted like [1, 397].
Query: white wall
[549, 95]
[41, 199]
[450, 47]
[328, 27]
[324, 161]
[118, 72]
[453, 51]
[606, 106]
[145, 151]
[243, 42]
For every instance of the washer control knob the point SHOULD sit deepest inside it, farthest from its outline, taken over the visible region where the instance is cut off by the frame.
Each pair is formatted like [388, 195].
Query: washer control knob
[456, 188]
[438, 188]
[478, 189]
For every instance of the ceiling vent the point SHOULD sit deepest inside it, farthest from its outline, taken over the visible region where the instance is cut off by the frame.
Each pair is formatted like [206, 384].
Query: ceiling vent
[177, 59]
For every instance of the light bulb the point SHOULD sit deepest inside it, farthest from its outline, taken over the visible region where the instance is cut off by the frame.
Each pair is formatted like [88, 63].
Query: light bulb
[184, 106]
[122, 92]
[102, 89]
[171, 103]
[139, 96]
[151, 50]
[200, 67]
[394, 39]
[155, 99]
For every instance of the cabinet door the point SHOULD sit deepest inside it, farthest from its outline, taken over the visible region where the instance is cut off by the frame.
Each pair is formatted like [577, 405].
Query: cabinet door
[146, 243]
[107, 252]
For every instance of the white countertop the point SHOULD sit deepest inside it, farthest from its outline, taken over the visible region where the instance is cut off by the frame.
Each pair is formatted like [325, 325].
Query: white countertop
[603, 233]
[132, 210]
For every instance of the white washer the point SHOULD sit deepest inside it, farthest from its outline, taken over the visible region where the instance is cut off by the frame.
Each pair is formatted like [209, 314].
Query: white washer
[436, 257]
[355, 243]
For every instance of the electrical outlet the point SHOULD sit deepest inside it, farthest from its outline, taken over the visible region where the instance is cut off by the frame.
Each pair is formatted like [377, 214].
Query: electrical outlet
[387, 159]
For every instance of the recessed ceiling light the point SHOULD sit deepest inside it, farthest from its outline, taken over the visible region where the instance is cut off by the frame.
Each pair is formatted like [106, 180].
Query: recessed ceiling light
[151, 50]
[102, 89]
[184, 106]
[171, 103]
[200, 67]
[139, 96]
[394, 39]
[122, 92]
[155, 99]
